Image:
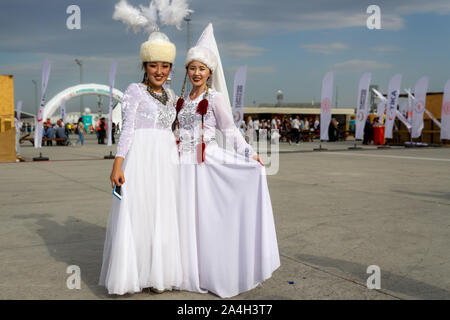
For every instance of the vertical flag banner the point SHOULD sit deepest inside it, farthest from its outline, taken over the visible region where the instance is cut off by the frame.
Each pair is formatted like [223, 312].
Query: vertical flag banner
[112, 75]
[19, 110]
[445, 114]
[238, 97]
[409, 108]
[403, 106]
[391, 104]
[420, 93]
[380, 110]
[361, 105]
[63, 110]
[325, 106]
[39, 117]
[402, 118]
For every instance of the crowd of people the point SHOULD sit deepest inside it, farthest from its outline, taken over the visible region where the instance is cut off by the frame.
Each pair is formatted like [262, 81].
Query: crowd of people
[62, 130]
[288, 129]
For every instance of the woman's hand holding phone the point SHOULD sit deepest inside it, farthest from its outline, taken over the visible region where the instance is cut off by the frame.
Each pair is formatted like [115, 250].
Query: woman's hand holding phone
[117, 177]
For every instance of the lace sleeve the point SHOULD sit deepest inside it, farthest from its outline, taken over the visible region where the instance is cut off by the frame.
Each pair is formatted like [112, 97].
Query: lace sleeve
[231, 133]
[130, 102]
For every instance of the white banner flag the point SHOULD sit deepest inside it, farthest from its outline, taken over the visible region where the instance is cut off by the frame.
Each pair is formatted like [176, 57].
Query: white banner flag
[361, 105]
[420, 93]
[380, 110]
[391, 106]
[403, 107]
[445, 114]
[410, 103]
[39, 118]
[112, 75]
[19, 109]
[402, 118]
[325, 106]
[238, 97]
[63, 110]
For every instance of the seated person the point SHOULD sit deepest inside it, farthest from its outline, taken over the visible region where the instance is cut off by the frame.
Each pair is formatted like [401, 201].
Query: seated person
[61, 133]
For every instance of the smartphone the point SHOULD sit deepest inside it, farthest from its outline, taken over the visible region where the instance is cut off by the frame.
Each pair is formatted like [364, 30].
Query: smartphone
[117, 192]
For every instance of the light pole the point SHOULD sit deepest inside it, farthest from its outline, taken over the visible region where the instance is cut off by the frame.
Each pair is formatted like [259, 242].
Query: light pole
[188, 32]
[78, 61]
[279, 98]
[188, 43]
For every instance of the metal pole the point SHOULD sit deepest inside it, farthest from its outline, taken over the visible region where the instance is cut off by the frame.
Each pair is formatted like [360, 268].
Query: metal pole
[78, 61]
[188, 45]
[188, 32]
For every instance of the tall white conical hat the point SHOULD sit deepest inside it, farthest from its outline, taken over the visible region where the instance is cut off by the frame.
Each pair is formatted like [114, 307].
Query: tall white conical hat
[206, 51]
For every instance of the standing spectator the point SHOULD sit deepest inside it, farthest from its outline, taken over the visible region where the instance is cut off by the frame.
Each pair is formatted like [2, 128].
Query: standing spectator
[113, 132]
[256, 128]
[81, 131]
[368, 132]
[250, 129]
[333, 131]
[352, 123]
[273, 123]
[102, 131]
[317, 125]
[295, 130]
[306, 124]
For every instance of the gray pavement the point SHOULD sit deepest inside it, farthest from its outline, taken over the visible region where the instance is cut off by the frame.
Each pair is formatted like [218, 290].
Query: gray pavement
[336, 213]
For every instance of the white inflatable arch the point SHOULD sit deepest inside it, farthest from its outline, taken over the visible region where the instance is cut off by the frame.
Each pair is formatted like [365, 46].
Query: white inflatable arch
[80, 90]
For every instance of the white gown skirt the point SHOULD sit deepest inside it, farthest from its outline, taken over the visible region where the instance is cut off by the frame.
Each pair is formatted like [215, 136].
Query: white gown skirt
[142, 246]
[227, 230]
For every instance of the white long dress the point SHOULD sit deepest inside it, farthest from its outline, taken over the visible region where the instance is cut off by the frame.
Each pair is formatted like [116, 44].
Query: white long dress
[142, 246]
[228, 238]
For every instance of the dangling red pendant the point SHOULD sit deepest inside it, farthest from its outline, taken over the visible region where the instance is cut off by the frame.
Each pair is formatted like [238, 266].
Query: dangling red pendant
[201, 152]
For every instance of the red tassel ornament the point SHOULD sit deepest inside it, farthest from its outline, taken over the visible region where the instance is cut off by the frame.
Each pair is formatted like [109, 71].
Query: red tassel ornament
[202, 107]
[201, 152]
[180, 103]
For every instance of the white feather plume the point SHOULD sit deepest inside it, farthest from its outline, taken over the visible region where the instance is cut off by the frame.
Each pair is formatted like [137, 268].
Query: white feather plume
[170, 13]
[151, 14]
[173, 14]
[129, 15]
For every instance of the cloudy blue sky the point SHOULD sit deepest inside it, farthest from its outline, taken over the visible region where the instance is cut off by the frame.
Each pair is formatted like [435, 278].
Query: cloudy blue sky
[287, 45]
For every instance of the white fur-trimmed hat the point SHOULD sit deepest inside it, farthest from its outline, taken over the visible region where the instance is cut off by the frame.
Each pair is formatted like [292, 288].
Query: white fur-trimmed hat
[202, 54]
[158, 48]
[207, 52]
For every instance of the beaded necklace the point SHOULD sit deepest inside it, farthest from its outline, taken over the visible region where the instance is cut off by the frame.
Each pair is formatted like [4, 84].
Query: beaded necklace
[163, 98]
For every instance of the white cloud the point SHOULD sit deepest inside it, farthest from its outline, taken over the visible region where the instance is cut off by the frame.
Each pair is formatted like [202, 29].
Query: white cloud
[253, 69]
[387, 48]
[325, 48]
[242, 50]
[360, 66]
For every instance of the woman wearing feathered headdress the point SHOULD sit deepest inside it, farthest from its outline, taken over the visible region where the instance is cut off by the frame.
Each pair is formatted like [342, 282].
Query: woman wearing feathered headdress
[142, 248]
[227, 231]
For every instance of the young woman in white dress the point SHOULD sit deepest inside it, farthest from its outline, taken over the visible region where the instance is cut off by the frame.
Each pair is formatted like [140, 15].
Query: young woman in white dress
[142, 248]
[227, 231]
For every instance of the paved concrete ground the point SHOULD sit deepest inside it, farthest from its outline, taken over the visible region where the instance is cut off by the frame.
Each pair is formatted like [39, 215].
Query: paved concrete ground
[336, 213]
